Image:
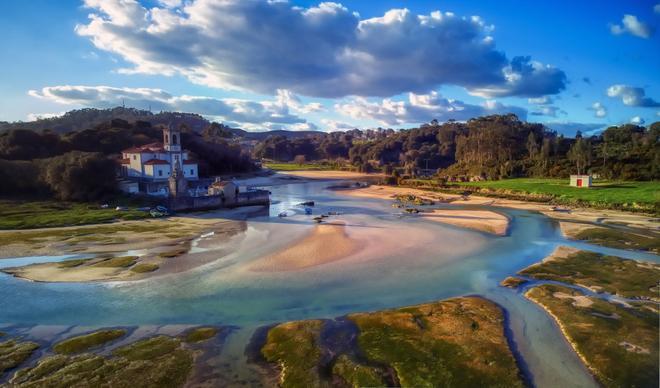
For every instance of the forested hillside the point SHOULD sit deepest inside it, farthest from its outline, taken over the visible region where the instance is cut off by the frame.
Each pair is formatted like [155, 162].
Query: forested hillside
[491, 147]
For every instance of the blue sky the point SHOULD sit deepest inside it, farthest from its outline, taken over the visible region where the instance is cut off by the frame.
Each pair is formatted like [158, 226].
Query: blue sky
[306, 65]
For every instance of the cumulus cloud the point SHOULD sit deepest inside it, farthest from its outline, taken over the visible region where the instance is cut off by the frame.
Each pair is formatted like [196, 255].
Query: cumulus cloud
[258, 114]
[631, 25]
[656, 8]
[545, 100]
[421, 108]
[637, 120]
[324, 51]
[599, 109]
[632, 96]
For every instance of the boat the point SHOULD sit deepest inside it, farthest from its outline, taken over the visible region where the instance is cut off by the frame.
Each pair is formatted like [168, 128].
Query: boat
[308, 210]
[282, 214]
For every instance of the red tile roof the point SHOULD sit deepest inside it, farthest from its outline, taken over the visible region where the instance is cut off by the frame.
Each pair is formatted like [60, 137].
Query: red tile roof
[189, 162]
[151, 147]
[124, 161]
[156, 161]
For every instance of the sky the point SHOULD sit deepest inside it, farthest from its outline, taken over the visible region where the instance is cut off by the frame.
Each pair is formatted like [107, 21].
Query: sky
[309, 65]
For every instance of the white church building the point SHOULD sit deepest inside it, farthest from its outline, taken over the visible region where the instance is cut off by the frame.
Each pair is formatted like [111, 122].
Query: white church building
[155, 162]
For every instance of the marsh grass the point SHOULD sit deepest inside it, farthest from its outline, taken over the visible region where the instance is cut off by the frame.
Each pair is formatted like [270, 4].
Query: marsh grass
[620, 345]
[117, 262]
[13, 353]
[615, 238]
[72, 263]
[87, 341]
[144, 267]
[615, 275]
[200, 334]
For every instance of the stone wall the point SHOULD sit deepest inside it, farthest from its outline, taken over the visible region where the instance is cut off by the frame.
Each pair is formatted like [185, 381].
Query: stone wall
[182, 203]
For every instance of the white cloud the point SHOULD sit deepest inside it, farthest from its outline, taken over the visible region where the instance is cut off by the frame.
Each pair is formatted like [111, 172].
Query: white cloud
[599, 109]
[630, 24]
[324, 51]
[569, 128]
[632, 96]
[547, 110]
[41, 116]
[334, 125]
[421, 108]
[656, 8]
[263, 114]
[545, 100]
[637, 120]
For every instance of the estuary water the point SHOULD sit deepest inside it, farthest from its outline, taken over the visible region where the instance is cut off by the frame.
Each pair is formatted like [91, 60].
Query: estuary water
[434, 262]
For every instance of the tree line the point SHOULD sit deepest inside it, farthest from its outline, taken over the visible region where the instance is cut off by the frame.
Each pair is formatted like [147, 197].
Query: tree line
[490, 147]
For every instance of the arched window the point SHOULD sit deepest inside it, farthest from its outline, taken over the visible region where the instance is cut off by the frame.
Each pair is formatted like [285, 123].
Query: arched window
[167, 138]
[174, 140]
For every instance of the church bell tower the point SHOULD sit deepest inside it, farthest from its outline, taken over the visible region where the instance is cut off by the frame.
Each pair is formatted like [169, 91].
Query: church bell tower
[172, 139]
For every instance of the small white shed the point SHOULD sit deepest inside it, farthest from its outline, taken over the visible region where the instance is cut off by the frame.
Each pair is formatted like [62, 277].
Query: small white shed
[581, 180]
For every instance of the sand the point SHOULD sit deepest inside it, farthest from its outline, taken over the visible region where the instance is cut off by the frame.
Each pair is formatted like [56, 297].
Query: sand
[481, 220]
[329, 174]
[325, 244]
[50, 272]
[571, 222]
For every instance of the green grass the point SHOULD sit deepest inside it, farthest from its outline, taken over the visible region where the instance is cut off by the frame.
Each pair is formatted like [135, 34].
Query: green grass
[512, 282]
[200, 334]
[87, 341]
[299, 167]
[117, 262]
[628, 278]
[13, 353]
[154, 362]
[17, 214]
[144, 268]
[624, 194]
[615, 238]
[599, 332]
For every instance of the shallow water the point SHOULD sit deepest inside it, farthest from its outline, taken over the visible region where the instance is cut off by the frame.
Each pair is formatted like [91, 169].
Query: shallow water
[224, 292]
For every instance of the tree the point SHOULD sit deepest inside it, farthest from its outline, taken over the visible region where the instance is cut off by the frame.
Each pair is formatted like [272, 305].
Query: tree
[299, 160]
[580, 154]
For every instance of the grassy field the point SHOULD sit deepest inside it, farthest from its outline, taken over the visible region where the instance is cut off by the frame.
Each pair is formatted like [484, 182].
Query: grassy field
[299, 167]
[627, 194]
[15, 214]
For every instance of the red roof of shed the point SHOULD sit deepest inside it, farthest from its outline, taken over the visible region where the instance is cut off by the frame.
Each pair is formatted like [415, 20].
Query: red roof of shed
[156, 161]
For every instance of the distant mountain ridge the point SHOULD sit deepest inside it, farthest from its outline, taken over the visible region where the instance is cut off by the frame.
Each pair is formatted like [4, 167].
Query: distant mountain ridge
[80, 119]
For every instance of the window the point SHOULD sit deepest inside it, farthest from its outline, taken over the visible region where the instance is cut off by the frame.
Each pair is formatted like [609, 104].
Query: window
[192, 172]
[134, 157]
[160, 172]
[174, 139]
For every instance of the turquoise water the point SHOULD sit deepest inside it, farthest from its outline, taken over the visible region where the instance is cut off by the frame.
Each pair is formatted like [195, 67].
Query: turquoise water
[223, 292]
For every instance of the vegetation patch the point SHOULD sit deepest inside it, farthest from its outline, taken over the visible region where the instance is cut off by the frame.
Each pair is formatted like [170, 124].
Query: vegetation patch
[20, 214]
[624, 277]
[616, 238]
[85, 342]
[512, 282]
[355, 374]
[173, 253]
[294, 346]
[118, 262]
[144, 267]
[155, 362]
[72, 263]
[13, 353]
[300, 166]
[200, 334]
[619, 344]
[457, 342]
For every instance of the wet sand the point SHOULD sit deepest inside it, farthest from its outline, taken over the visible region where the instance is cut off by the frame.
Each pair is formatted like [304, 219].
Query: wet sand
[325, 244]
[481, 220]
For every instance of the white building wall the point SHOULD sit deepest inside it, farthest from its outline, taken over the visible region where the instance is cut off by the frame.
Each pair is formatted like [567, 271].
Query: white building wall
[190, 171]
